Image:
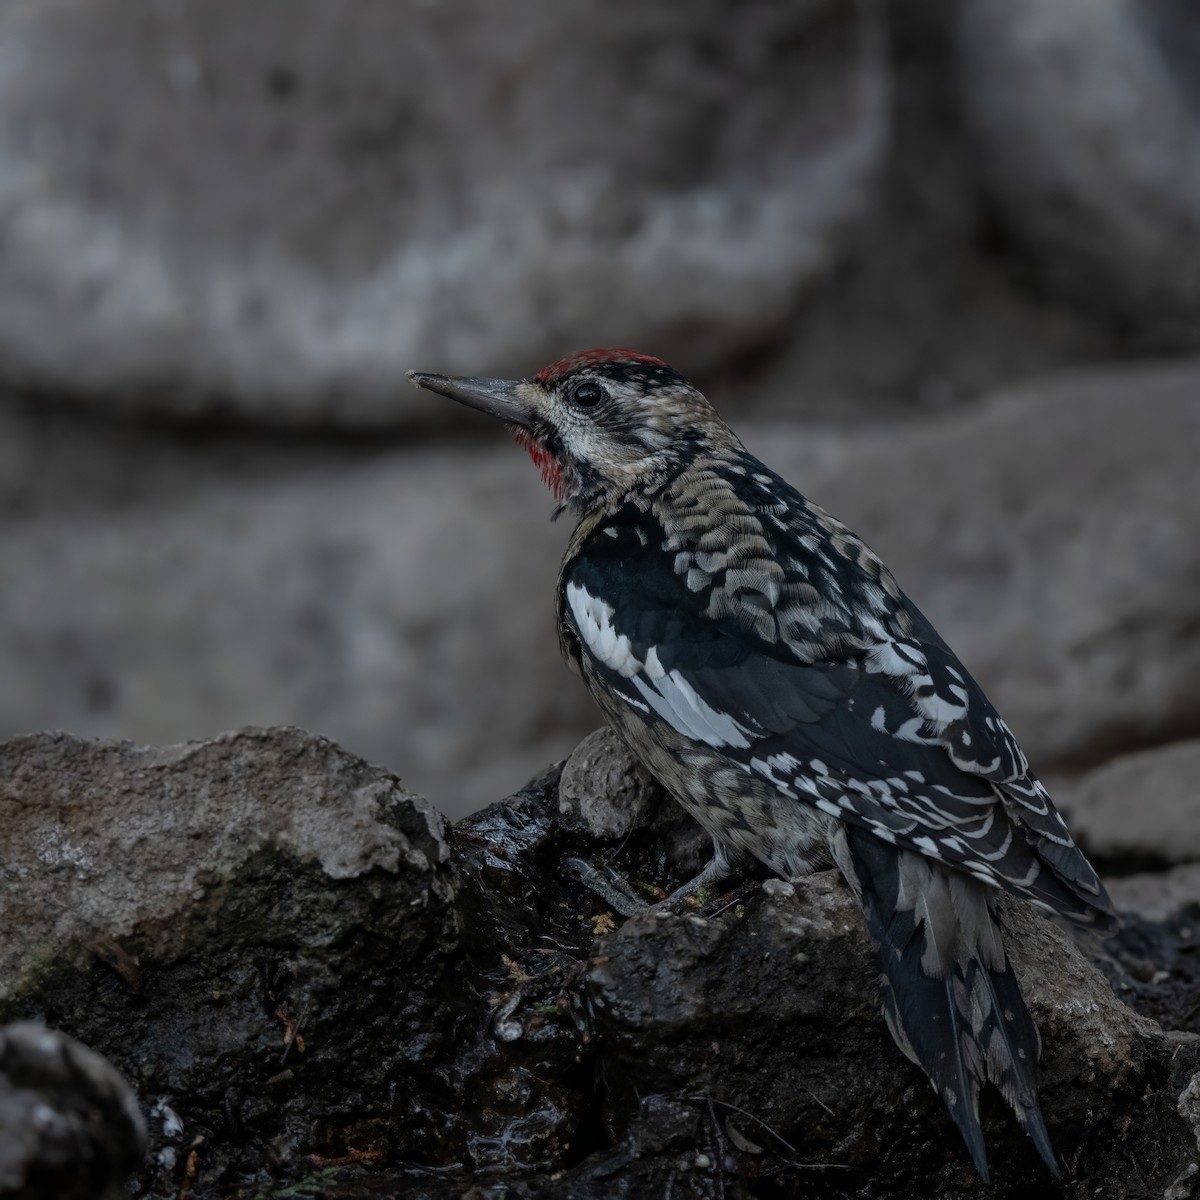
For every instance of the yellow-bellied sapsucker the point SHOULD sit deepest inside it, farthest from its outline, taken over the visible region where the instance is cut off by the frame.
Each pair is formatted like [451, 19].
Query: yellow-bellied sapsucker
[764, 665]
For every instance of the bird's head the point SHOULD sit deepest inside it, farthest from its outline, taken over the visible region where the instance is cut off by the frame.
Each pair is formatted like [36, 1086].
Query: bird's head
[598, 424]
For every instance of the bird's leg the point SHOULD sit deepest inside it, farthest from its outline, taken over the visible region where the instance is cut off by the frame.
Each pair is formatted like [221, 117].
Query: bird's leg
[614, 890]
[719, 867]
[609, 886]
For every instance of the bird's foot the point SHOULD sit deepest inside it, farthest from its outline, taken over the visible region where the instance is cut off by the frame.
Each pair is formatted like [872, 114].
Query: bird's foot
[609, 886]
[615, 891]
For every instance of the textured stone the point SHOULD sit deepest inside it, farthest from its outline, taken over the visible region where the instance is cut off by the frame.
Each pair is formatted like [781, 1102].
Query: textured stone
[641, 985]
[604, 792]
[1086, 122]
[275, 210]
[320, 993]
[740, 1009]
[103, 841]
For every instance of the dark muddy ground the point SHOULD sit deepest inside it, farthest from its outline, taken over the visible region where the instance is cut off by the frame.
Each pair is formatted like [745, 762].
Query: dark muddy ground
[330, 1038]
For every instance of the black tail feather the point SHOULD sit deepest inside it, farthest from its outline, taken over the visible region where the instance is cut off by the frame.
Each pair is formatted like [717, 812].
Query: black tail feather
[1009, 1017]
[926, 1025]
[951, 999]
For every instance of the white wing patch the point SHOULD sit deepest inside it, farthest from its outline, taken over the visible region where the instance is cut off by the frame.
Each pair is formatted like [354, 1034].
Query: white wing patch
[675, 700]
[946, 710]
[593, 619]
[666, 692]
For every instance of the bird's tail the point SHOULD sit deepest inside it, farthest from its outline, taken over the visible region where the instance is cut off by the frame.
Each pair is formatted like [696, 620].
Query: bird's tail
[950, 998]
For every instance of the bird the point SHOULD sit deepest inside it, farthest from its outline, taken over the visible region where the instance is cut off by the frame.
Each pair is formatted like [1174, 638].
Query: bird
[763, 664]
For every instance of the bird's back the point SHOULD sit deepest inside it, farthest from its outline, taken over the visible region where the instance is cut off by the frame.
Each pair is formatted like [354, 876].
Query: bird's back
[725, 612]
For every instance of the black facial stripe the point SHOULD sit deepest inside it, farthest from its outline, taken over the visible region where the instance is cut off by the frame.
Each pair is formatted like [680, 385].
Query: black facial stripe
[545, 433]
[621, 421]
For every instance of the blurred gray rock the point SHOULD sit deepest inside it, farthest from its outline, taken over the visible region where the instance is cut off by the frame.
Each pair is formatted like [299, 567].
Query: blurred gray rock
[404, 606]
[274, 210]
[104, 841]
[1086, 115]
[1157, 896]
[1141, 807]
[70, 1126]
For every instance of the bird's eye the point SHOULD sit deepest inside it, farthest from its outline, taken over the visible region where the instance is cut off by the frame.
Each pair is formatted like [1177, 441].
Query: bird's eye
[587, 394]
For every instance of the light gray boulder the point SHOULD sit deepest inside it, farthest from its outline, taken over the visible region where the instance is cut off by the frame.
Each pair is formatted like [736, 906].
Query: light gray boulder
[107, 841]
[273, 210]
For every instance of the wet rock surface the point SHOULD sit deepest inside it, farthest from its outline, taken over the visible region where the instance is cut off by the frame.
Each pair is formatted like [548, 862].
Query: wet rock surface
[1155, 958]
[345, 998]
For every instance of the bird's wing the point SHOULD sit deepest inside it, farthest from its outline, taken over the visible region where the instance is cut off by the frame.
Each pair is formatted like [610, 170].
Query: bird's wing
[893, 736]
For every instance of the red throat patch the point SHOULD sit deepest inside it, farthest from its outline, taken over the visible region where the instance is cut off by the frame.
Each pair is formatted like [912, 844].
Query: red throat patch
[545, 462]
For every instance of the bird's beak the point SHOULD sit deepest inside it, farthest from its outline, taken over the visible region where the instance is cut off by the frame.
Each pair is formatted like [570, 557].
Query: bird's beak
[499, 397]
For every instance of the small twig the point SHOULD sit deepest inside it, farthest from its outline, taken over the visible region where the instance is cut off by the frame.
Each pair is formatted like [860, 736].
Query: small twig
[293, 1032]
[734, 899]
[719, 1141]
[348, 1159]
[763, 1125]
